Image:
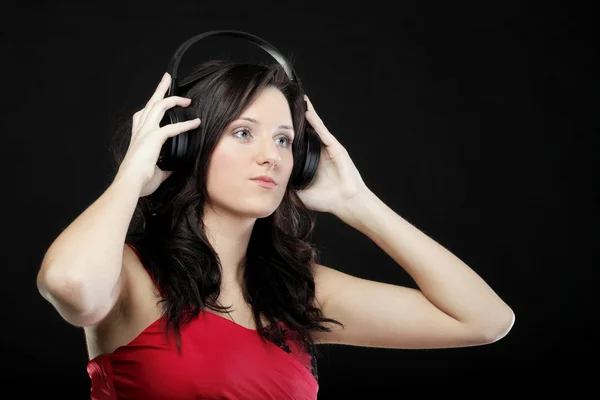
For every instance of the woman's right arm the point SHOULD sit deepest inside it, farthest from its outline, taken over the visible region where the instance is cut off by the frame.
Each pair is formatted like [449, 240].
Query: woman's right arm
[81, 274]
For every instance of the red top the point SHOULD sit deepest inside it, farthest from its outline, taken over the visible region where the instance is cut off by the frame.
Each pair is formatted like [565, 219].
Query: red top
[219, 360]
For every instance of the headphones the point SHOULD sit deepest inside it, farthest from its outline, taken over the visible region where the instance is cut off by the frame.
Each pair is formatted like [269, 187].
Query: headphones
[176, 150]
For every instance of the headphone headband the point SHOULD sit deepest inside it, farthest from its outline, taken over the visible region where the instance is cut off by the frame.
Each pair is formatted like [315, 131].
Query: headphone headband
[173, 66]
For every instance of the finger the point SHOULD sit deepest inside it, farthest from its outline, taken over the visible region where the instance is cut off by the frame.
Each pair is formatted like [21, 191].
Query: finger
[180, 127]
[158, 109]
[161, 89]
[315, 121]
[312, 111]
[158, 94]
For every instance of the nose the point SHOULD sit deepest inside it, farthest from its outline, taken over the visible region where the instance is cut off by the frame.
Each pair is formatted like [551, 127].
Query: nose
[268, 152]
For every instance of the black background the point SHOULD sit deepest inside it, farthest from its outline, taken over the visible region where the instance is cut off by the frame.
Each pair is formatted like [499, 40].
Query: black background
[476, 122]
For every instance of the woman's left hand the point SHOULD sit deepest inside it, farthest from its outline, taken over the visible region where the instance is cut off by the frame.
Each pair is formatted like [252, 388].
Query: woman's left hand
[337, 181]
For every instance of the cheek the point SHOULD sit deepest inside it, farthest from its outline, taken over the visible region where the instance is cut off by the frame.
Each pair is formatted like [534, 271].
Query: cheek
[223, 177]
[287, 164]
[226, 165]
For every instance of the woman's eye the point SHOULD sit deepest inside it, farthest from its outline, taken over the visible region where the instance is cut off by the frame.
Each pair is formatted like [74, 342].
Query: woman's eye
[243, 130]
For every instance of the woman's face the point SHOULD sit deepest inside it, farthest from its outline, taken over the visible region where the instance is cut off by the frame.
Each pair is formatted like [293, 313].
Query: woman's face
[258, 143]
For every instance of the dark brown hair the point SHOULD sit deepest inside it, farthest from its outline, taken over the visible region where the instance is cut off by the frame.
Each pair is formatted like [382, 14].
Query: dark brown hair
[278, 271]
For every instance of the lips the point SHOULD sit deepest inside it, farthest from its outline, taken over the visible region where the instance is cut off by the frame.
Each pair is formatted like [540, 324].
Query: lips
[265, 182]
[264, 178]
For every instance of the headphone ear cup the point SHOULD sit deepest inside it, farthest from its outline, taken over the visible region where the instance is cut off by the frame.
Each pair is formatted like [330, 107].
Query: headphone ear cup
[175, 149]
[311, 155]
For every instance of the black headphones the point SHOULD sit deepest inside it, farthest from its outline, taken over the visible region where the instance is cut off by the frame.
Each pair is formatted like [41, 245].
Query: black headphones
[176, 149]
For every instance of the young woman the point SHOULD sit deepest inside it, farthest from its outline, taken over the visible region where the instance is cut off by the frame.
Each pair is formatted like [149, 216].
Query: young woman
[216, 254]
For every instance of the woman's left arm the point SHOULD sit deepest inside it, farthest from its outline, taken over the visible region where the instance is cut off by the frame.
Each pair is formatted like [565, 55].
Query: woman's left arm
[445, 280]
[453, 306]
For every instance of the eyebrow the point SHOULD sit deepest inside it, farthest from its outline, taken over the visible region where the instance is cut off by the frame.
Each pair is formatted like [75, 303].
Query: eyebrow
[256, 122]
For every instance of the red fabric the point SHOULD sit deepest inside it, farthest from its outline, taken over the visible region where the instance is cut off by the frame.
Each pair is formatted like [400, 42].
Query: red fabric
[219, 360]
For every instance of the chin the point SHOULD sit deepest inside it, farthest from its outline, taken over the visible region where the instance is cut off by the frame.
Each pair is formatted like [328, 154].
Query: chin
[252, 210]
[261, 213]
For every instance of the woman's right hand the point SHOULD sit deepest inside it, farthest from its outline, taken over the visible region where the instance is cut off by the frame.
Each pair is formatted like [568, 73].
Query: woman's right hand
[147, 139]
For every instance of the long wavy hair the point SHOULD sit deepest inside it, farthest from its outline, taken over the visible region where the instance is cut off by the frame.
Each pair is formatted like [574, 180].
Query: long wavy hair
[167, 226]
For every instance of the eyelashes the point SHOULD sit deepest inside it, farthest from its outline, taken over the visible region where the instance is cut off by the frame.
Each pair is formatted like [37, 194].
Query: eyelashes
[289, 140]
